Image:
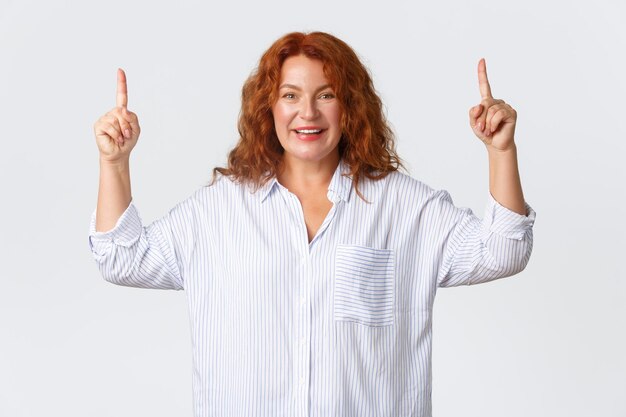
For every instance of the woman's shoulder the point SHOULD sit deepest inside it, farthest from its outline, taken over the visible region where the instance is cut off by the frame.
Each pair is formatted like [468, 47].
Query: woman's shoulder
[222, 188]
[405, 194]
[397, 184]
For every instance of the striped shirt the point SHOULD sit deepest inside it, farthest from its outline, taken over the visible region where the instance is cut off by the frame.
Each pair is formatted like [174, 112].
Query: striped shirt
[340, 326]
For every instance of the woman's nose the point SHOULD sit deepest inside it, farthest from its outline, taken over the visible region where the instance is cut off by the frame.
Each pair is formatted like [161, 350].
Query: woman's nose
[308, 110]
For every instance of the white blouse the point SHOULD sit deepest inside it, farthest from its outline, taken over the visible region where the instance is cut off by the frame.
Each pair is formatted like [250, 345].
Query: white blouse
[340, 326]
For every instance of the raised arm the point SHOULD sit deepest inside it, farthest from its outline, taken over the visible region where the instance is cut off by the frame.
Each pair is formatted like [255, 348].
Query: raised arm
[493, 122]
[127, 252]
[116, 135]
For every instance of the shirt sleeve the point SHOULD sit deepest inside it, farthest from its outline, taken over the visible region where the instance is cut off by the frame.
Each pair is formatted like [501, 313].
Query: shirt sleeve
[475, 250]
[154, 256]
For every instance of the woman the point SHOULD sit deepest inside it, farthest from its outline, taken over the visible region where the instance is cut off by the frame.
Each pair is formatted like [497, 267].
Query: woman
[311, 263]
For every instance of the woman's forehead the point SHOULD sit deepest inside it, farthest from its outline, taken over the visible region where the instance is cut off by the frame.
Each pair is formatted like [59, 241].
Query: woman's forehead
[301, 71]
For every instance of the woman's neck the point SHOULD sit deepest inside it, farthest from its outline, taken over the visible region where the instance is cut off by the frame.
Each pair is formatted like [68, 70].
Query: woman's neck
[297, 175]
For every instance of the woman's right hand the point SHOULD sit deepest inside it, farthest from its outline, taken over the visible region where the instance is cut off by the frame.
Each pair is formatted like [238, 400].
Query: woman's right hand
[118, 130]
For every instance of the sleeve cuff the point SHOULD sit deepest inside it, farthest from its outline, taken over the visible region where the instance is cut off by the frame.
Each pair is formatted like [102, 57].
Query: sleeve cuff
[126, 232]
[505, 222]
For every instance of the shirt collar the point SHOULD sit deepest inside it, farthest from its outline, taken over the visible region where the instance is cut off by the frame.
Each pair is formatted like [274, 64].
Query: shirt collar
[341, 183]
[267, 188]
[340, 186]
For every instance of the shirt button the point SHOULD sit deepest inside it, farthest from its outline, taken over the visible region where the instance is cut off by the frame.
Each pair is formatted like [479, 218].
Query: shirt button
[302, 301]
[301, 380]
[303, 340]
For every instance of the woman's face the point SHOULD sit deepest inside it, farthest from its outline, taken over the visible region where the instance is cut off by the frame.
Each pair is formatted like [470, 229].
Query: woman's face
[307, 115]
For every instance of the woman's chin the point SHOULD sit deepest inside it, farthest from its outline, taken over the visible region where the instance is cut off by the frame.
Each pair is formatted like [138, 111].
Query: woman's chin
[309, 156]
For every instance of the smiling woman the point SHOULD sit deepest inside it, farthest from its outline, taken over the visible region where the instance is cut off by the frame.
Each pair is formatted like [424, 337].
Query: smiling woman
[310, 262]
[299, 78]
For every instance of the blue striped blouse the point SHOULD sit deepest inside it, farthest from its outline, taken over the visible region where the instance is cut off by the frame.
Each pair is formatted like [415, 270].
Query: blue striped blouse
[340, 326]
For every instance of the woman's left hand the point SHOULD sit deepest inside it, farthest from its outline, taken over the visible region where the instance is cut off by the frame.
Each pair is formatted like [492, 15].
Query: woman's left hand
[493, 121]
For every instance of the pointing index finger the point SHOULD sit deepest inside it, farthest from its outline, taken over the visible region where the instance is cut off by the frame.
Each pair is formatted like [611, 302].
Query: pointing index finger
[122, 92]
[483, 82]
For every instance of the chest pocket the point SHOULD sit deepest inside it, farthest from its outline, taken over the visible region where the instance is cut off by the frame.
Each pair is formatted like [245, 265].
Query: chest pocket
[364, 285]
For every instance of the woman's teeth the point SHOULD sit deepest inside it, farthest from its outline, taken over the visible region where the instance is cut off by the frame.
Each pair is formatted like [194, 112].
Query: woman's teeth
[309, 131]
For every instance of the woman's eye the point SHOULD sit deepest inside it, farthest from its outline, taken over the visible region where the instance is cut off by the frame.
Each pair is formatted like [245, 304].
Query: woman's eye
[327, 95]
[289, 95]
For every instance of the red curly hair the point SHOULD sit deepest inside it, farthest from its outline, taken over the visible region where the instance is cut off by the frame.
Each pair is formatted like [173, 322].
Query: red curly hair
[367, 142]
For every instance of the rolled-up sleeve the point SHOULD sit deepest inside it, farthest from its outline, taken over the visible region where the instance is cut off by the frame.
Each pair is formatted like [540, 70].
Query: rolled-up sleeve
[152, 256]
[475, 250]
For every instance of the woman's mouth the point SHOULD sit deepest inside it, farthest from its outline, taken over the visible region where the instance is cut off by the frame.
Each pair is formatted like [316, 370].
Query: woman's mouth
[308, 134]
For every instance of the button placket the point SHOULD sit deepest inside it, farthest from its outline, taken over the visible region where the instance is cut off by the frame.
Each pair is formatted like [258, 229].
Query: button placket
[301, 360]
[302, 363]
[305, 325]
[305, 328]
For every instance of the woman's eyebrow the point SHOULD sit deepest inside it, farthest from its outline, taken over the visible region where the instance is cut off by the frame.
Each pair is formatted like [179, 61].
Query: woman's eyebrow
[294, 87]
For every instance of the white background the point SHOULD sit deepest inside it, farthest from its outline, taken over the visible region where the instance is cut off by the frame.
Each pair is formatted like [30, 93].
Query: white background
[550, 341]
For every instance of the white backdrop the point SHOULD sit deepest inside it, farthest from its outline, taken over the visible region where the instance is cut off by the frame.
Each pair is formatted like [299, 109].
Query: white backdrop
[547, 342]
